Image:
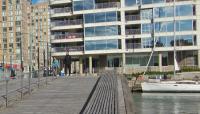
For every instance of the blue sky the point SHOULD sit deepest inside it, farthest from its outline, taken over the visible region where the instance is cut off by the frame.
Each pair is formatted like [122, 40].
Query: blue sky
[37, 1]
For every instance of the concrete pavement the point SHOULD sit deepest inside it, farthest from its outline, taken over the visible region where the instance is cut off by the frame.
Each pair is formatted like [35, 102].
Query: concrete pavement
[63, 96]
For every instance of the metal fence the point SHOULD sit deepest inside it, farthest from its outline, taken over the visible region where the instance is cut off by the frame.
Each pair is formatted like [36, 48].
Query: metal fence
[14, 89]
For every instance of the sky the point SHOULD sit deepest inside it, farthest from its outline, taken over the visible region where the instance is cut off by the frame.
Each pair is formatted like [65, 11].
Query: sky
[38, 1]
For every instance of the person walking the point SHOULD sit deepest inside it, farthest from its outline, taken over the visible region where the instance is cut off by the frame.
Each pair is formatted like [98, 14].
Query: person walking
[67, 63]
[55, 65]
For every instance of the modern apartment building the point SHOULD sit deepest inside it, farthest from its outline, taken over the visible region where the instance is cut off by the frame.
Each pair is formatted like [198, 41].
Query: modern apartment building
[121, 34]
[14, 35]
[40, 30]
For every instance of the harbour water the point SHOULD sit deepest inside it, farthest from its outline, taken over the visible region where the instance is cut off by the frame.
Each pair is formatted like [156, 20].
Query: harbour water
[167, 103]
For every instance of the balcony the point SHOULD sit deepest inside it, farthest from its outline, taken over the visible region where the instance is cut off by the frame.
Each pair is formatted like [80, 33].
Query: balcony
[61, 10]
[107, 5]
[132, 17]
[54, 2]
[68, 36]
[64, 49]
[133, 45]
[133, 31]
[67, 24]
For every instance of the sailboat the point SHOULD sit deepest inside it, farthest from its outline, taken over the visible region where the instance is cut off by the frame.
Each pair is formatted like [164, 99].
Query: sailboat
[159, 85]
[171, 86]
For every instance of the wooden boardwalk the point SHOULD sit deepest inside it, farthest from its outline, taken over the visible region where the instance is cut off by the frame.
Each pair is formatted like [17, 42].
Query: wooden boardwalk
[63, 96]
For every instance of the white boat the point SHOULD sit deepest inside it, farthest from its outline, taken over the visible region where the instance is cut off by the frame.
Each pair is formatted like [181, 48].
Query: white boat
[171, 86]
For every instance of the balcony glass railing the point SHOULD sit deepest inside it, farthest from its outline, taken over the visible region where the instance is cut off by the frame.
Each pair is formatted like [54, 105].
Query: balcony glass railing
[61, 10]
[132, 17]
[133, 45]
[107, 5]
[67, 22]
[64, 49]
[68, 36]
[133, 31]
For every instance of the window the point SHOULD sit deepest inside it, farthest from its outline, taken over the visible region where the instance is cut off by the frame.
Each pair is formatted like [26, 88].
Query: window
[101, 45]
[146, 1]
[164, 12]
[146, 14]
[100, 17]
[147, 42]
[146, 28]
[186, 40]
[164, 27]
[129, 3]
[184, 25]
[101, 31]
[184, 10]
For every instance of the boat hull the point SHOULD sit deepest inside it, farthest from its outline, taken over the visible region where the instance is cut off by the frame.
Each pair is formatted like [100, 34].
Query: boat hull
[165, 87]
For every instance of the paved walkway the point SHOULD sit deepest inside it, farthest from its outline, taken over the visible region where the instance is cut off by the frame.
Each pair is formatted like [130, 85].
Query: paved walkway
[63, 96]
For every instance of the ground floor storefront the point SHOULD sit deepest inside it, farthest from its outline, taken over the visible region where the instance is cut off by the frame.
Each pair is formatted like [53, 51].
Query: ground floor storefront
[132, 62]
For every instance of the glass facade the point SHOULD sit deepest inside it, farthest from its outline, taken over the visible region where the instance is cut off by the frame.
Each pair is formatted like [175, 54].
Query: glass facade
[146, 14]
[164, 27]
[163, 12]
[184, 25]
[101, 31]
[141, 60]
[83, 5]
[147, 42]
[181, 40]
[184, 10]
[147, 28]
[129, 3]
[100, 17]
[101, 45]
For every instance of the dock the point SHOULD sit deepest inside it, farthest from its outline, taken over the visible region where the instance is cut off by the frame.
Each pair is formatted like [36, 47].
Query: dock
[107, 93]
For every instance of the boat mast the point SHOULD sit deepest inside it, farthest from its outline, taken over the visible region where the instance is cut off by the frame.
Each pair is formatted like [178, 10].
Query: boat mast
[174, 11]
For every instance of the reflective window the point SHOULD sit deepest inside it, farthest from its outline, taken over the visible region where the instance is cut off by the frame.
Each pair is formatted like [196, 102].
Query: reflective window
[141, 60]
[101, 45]
[89, 18]
[184, 25]
[164, 27]
[89, 32]
[183, 40]
[88, 4]
[111, 16]
[164, 12]
[165, 41]
[146, 1]
[186, 40]
[83, 5]
[147, 42]
[78, 5]
[184, 10]
[100, 17]
[101, 31]
[146, 28]
[131, 2]
[146, 14]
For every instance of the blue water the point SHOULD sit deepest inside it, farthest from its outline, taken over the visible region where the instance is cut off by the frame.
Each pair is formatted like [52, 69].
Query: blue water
[167, 103]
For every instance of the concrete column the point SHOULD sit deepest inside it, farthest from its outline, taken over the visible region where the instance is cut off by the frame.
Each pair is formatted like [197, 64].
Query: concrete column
[80, 65]
[90, 64]
[160, 61]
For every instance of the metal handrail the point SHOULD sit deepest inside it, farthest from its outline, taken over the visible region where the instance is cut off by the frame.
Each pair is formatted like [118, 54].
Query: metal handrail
[68, 36]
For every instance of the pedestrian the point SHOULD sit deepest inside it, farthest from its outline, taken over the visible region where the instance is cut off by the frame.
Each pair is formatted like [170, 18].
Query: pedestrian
[67, 63]
[55, 66]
